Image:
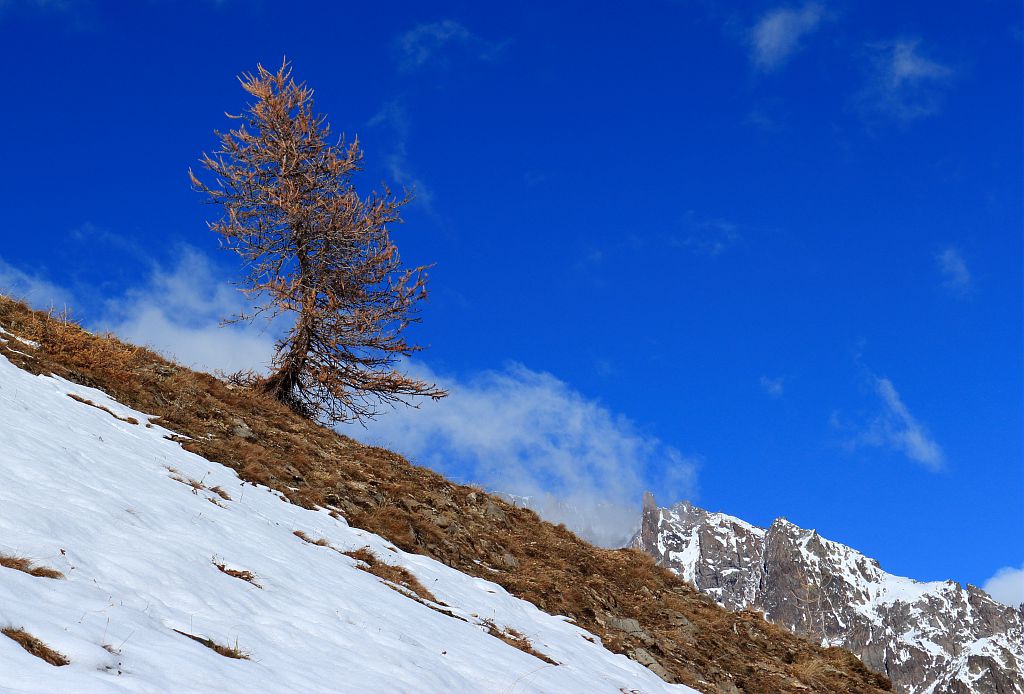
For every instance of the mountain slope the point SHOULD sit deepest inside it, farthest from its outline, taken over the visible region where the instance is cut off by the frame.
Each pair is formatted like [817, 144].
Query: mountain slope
[138, 526]
[620, 596]
[926, 637]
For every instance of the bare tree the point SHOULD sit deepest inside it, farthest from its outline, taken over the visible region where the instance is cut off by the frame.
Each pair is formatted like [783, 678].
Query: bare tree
[313, 247]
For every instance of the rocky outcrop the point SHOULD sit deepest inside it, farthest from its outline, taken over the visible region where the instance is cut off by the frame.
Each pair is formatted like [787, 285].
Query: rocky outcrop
[938, 637]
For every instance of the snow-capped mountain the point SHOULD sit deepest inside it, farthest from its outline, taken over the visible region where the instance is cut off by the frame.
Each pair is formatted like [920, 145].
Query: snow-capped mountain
[161, 571]
[928, 638]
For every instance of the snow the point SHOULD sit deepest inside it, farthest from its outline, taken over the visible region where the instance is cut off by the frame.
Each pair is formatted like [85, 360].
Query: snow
[96, 498]
[939, 627]
[689, 557]
[22, 340]
[907, 590]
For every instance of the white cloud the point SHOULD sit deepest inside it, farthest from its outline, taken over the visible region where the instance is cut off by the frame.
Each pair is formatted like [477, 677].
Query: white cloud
[897, 429]
[394, 115]
[777, 35]
[956, 276]
[710, 236]
[178, 312]
[33, 289]
[1007, 586]
[425, 43]
[775, 387]
[528, 433]
[903, 83]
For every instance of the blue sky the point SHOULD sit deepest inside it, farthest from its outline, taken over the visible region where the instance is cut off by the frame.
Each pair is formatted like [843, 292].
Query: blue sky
[766, 257]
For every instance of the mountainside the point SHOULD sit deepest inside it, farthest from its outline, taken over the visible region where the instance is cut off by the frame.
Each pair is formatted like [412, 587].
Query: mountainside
[155, 548]
[936, 637]
[161, 549]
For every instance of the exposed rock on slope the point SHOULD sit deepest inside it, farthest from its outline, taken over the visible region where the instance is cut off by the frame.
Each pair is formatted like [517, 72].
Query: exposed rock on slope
[633, 606]
[937, 637]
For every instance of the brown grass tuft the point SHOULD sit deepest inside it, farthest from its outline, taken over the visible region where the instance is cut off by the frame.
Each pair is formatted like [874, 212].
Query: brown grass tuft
[196, 485]
[226, 651]
[390, 573]
[85, 401]
[219, 491]
[27, 566]
[516, 640]
[321, 542]
[244, 575]
[34, 646]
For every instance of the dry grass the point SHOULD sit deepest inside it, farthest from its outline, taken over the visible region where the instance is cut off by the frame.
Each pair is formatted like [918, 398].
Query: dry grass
[247, 576]
[417, 510]
[90, 403]
[226, 651]
[219, 491]
[390, 573]
[197, 485]
[28, 566]
[516, 640]
[319, 542]
[34, 646]
[813, 672]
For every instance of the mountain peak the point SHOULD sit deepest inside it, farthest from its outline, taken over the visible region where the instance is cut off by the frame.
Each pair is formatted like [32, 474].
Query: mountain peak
[931, 637]
[649, 502]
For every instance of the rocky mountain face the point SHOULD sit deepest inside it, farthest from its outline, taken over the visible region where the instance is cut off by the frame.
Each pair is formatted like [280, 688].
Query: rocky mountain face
[934, 638]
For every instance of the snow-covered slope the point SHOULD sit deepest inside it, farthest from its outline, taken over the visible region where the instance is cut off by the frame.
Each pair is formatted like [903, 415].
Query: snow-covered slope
[137, 525]
[932, 638]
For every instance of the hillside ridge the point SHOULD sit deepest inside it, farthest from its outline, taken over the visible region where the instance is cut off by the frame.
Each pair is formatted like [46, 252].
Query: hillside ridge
[635, 607]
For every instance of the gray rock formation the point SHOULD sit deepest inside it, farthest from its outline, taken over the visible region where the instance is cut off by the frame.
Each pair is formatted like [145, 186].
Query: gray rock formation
[928, 638]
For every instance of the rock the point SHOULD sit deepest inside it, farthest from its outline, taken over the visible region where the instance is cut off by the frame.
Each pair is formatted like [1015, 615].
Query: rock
[628, 625]
[509, 561]
[494, 511]
[632, 628]
[644, 657]
[661, 672]
[939, 637]
[240, 429]
[678, 619]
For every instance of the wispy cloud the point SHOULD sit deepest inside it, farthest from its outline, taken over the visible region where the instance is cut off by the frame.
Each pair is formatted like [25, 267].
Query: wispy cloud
[709, 236]
[394, 115]
[955, 275]
[176, 310]
[777, 35]
[32, 288]
[775, 387]
[73, 15]
[895, 428]
[528, 433]
[426, 43]
[42, 5]
[1007, 586]
[903, 83]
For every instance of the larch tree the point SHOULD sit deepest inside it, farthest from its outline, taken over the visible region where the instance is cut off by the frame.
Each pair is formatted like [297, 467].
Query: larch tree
[314, 248]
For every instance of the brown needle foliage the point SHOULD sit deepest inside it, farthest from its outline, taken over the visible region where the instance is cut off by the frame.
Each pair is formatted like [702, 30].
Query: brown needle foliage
[314, 248]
